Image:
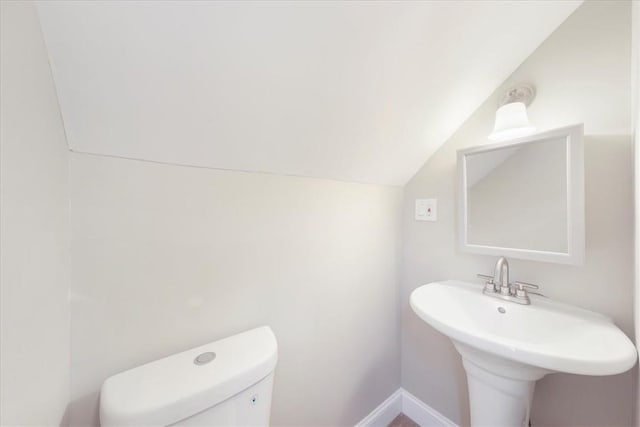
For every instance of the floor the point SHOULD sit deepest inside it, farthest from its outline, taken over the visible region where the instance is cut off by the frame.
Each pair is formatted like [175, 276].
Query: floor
[403, 421]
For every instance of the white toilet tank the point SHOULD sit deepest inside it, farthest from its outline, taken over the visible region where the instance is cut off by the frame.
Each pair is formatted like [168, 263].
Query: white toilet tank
[225, 383]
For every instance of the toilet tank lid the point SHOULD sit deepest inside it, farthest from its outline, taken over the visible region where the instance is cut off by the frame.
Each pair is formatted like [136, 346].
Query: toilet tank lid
[174, 388]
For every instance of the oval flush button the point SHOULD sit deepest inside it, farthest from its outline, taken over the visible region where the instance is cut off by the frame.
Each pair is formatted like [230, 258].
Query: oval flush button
[204, 358]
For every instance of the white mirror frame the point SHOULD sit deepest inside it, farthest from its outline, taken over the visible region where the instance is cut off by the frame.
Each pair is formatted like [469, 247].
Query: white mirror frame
[575, 199]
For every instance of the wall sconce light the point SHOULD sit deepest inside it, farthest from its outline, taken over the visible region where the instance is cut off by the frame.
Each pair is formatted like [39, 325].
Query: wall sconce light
[511, 118]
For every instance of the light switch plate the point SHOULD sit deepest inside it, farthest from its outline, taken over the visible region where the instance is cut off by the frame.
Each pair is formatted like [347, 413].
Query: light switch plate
[426, 209]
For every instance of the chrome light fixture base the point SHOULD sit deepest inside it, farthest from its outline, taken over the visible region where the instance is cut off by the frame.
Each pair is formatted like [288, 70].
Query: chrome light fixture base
[524, 93]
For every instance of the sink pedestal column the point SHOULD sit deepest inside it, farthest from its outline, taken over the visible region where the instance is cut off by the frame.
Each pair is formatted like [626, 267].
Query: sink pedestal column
[495, 400]
[500, 390]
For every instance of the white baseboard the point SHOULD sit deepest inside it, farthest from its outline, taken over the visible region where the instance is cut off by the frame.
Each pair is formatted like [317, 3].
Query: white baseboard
[401, 401]
[422, 413]
[385, 412]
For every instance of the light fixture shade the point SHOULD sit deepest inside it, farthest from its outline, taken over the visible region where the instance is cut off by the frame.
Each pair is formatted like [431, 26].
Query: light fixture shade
[511, 122]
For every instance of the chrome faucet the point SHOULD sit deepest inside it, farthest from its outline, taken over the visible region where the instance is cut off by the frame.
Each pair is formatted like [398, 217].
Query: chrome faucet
[501, 276]
[498, 286]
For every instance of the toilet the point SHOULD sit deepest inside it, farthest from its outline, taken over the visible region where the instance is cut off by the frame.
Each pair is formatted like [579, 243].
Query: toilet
[225, 383]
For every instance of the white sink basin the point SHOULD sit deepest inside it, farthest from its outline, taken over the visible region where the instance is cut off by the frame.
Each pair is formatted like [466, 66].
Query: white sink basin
[506, 347]
[551, 335]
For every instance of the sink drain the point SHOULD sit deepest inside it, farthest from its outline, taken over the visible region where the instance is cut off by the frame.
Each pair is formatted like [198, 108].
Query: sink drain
[502, 310]
[204, 358]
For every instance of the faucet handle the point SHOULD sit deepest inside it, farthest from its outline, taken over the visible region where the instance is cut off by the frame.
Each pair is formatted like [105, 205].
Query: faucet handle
[522, 285]
[521, 288]
[489, 286]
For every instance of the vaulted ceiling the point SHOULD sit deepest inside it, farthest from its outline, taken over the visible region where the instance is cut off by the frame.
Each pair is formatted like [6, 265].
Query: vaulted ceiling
[354, 91]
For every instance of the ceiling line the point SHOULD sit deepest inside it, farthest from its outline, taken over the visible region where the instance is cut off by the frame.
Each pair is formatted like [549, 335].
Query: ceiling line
[184, 165]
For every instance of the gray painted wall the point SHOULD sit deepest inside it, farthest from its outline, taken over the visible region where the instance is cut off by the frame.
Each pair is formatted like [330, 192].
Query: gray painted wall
[34, 250]
[582, 70]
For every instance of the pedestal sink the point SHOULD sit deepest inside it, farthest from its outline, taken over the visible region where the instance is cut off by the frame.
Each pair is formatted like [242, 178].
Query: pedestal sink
[506, 347]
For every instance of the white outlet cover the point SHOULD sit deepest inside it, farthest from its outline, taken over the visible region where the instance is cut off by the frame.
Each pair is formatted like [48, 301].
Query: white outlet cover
[426, 210]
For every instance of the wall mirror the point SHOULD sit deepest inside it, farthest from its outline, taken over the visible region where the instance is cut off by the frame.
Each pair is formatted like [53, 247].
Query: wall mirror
[524, 198]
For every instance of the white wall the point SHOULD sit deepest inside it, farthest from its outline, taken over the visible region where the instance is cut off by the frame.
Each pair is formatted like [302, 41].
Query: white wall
[34, 250]
[169, 257]
[582, 74]
[635, 86]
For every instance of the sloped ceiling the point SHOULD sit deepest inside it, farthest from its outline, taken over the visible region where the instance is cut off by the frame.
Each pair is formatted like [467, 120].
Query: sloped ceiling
[354, 91]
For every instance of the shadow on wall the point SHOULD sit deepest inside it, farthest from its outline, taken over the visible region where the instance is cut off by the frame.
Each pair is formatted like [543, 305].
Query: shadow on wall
[442, 357]
[88, 405]
[367, 381]
[65, 417]
[558, 392]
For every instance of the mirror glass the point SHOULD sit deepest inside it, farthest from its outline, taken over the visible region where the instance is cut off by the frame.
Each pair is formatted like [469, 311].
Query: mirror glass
[517, 197]
[524, 198]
